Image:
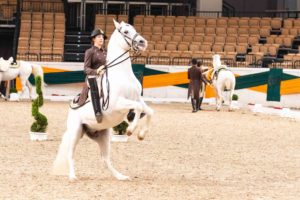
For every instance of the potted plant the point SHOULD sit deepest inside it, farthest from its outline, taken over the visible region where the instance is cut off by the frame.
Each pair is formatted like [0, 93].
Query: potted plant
[120, 131]
[13, 94]
[235, 97]
[39, 126]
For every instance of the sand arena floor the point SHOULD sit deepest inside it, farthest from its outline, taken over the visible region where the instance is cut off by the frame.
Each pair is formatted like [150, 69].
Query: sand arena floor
[207, 155]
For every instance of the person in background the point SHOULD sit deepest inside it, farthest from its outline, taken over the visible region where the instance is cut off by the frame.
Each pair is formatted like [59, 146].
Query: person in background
[94, 61]
[202, 86]
[196, 78]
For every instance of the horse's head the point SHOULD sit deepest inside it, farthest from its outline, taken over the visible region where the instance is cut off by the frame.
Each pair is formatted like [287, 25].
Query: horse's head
[216, 60]
[5, 64]
[132, 39]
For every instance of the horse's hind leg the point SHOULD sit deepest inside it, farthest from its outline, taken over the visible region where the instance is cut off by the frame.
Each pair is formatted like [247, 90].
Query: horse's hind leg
[103, 140]
[75, 136]
[218, 99]
[230, 96]
[24, 85]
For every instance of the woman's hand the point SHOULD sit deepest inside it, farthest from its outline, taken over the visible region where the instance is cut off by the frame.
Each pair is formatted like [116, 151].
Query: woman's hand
[100, 70]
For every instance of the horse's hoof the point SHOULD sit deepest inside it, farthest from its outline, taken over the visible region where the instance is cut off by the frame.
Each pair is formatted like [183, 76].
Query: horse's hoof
[129, 133]
[123, 178]
[73, 179]
[140, 137]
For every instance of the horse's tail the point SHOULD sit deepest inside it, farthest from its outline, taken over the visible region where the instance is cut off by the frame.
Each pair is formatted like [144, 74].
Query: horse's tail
[60, 165]
[37, 70]
[230, 85]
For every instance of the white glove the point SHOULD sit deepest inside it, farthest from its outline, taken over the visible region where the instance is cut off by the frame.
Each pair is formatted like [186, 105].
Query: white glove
[100, 70]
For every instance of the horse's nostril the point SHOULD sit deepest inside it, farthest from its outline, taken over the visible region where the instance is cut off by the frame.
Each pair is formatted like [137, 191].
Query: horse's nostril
[141, 41]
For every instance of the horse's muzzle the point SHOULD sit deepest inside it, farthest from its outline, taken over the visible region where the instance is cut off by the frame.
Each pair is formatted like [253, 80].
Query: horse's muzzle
[142, 44]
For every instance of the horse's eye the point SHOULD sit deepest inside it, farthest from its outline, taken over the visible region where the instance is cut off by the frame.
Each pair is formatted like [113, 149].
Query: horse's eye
[126, 32]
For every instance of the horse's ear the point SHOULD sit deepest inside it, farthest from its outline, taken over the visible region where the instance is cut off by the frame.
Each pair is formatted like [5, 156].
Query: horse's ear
[117, 25]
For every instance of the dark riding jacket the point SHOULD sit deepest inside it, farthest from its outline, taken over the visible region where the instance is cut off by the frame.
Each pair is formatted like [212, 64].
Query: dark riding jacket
[195, 76]
[93, 59]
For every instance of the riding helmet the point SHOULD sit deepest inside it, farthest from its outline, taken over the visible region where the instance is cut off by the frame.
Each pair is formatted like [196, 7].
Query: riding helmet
[193, 61]
[96, 32]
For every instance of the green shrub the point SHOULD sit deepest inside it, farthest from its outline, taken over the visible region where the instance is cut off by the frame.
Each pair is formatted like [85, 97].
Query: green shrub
[13, 90]
[41, 122]
[235, 97]
[121, 128]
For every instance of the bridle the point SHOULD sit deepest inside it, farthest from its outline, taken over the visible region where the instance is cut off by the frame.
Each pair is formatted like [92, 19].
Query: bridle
[134, 43]
[134, 46]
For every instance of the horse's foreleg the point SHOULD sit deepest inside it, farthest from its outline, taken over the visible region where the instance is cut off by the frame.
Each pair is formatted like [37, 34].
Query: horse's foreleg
[103, 140]
[149, 113]
[126, 105]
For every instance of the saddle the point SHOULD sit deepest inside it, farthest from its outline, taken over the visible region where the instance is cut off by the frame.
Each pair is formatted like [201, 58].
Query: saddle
[74, 103]
[215, 73]
[15, 64]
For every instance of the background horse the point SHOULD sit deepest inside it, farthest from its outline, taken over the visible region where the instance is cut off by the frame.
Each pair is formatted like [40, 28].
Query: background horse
[123, 91]
[223, 81]
[23, 69]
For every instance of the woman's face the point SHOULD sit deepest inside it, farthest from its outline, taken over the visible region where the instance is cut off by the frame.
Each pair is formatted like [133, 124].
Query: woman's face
[98, 40]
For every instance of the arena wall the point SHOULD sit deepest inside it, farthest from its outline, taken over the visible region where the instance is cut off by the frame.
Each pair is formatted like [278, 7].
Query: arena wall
[169, 83]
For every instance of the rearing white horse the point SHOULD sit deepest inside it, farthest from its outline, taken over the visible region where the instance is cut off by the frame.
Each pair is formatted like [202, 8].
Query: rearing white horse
[223, 80]
[124, 92]
[23, 70]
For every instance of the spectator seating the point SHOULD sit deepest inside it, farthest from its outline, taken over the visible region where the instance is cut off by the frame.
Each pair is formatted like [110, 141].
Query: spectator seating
[105, 22]
[42, 35]
[244, 40]
[7, 9]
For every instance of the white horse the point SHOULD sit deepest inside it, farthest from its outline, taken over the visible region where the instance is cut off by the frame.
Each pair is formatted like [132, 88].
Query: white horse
[223, 81]
[23, 69]
[122, 89]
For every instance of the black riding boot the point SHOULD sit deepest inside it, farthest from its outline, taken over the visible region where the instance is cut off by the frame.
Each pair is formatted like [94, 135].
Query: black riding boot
[95, 98]
[199, 103]
[194, 105]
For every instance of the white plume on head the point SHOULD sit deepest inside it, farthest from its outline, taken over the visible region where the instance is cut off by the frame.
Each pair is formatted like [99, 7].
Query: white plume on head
[216, 61]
